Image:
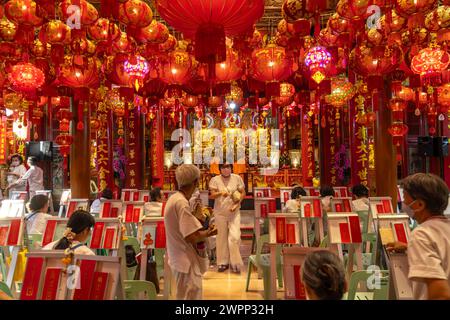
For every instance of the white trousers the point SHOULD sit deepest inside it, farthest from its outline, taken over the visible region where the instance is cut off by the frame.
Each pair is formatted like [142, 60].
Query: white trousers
[188, 285]
[229, 240]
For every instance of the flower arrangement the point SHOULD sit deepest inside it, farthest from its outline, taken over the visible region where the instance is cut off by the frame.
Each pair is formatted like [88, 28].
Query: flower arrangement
[342, 163]
[119, 163]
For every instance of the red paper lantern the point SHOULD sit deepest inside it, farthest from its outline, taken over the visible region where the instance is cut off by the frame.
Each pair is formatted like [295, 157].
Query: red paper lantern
[75, 77]
[354, 9]
[104, 30]
[338, 24]
[375, 61]
[7, 30]
[287, 92]
[231, 69]
[407, 8]
[25, 77]
[210, 21]
[437, 19]
[430, 60]
[123, 44]
[179, 68]
[22, 12]
[88, 13]
[396, 24]
[271, 64]
[154, 33]
[55, 32]
[398, 130]
[292, 10]
[444, 95]
[169, 45]
[135, 14]
[190, 101]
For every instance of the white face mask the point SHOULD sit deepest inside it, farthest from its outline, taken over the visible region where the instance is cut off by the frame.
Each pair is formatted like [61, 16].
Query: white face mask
[409, 211]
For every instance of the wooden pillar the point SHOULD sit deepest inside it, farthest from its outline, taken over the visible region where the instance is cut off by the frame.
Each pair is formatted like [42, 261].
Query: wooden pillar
[80, 153]
[385, 153]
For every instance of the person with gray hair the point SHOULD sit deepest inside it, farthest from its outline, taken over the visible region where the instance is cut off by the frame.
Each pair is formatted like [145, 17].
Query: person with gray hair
[425, 200]
[183, 233]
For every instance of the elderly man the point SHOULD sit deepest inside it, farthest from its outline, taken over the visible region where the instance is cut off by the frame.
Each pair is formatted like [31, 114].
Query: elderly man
[183, 233]
[426, 197]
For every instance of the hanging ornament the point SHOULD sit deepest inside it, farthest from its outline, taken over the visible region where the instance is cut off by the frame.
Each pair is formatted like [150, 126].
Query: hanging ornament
[429, 63]
[317, 59]
[25, 77]
[137, 67]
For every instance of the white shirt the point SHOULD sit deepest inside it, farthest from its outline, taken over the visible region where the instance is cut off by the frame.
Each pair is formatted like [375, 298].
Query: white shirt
[180, 223]
[37, 222]
[96, 204]
[83, 249]
[35, 177]
[153, 209]
[20, 170]
[326, 203]
[361, 204]
[292, 206]
[429, 254]
[222, 205]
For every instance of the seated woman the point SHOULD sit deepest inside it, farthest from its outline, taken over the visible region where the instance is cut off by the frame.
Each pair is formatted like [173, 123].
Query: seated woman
[361, 193]
[154, 207]
[37, 219]
[293, 205]
[323, 276]
[77, 232]
[106, 194]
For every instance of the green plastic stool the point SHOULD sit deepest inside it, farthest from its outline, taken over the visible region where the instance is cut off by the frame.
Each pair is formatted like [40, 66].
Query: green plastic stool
[364, 218]
[381, 293]
[134, 287]
[265, 230]
[5, 289]
[132, 241]
[262, 261]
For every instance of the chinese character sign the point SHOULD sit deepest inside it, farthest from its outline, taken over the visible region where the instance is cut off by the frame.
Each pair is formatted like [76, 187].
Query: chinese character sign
[308, 166]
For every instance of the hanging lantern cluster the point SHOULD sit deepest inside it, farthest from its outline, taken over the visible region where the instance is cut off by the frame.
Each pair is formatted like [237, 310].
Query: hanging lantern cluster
[317, 59]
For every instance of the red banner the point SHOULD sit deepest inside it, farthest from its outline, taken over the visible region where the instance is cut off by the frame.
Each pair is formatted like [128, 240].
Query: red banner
[446, 159]
[157, 149]
[133, 152]
[359, 145]
[328, 146]
[3, 145]
[105, 176]
[307, 150]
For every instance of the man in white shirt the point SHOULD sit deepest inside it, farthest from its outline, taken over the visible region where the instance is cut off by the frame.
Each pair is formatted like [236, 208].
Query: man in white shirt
[183, 232]
[425, 199]
[34, 176]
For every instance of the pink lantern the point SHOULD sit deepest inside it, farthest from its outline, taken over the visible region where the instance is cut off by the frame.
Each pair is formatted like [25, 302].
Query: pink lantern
[137, 67]
[317, 59]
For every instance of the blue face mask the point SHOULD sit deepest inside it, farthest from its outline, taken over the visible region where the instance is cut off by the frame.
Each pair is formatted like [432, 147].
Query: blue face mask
[408, 210]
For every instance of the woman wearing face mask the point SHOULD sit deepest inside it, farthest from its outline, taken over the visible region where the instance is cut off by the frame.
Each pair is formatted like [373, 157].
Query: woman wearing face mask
[228, 191]
[16, 171]
[425, 200]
